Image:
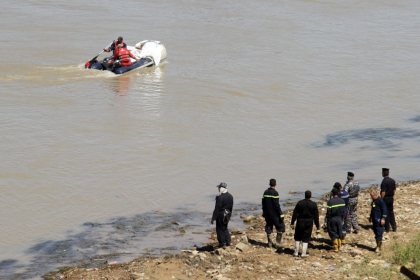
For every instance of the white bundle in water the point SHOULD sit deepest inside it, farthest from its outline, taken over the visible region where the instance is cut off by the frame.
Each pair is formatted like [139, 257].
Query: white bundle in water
[147, 48]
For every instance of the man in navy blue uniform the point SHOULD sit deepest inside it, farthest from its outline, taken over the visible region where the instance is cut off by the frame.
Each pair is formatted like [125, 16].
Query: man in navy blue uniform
[272, 213]
[377, 217]
[335, 218]
[221, 214]
[344, 195]
[388, 190]
[115, 44]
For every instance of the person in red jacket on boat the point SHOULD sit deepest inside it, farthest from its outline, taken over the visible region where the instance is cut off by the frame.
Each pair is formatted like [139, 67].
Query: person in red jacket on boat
[114, 45]
[123, 55]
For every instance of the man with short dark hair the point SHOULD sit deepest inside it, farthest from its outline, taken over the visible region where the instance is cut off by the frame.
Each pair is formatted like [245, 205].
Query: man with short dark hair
[388, 190]
[378, 214]
[306, 213]
[335, 217]
[221, 214]
[115, 44]
[272, 213]
[353, 188]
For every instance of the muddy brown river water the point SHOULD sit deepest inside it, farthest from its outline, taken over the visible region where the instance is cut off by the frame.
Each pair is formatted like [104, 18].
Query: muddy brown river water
[300, 91]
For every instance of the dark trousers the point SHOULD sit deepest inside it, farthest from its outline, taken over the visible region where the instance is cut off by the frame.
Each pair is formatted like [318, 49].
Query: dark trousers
[222, 231]
[344, 227]
[335, 227]
[378, 230]
[390, 219]
[269, 223]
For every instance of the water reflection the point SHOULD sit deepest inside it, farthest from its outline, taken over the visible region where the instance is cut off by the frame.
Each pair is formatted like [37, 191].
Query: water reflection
[122, 86]
[148, 80]
[143, 92]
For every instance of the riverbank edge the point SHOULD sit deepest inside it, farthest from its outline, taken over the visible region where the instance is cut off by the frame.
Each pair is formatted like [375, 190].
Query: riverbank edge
[253, 236]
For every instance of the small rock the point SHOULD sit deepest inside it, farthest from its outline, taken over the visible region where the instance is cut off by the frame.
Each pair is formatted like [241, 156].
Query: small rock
[316, 264]
[214, 271]
[137, 275]
[242, 247]
[347, 266]
[237, 231]
[377, 262]
[355, 252]
[202, 255]
[329, 257]
[219, 252]
[248, 219]
[244, 239]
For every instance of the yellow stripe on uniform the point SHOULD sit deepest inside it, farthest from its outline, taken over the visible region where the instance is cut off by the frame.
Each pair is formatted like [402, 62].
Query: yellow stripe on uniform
[273, 196]
[338, 205]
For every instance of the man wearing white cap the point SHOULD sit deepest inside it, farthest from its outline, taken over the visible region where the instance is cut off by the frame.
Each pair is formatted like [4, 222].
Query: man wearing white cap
[221, 214]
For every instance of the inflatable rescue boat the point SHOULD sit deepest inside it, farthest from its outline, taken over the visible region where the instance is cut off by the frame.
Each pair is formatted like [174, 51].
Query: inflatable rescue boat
[148, 53]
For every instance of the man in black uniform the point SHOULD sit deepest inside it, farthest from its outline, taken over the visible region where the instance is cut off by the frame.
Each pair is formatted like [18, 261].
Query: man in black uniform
[272, 213]
[221, 214]
[378, 214]
[306, 213]
[388, 190]
[336, 209]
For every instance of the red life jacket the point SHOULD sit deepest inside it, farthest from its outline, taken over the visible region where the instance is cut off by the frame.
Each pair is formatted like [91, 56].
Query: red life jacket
[124, 57]
[116, 46]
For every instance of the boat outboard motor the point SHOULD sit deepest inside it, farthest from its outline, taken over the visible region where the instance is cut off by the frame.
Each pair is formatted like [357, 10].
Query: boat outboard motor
[108, 63]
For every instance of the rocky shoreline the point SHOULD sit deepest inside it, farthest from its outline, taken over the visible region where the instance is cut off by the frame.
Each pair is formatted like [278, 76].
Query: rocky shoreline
[250, 257]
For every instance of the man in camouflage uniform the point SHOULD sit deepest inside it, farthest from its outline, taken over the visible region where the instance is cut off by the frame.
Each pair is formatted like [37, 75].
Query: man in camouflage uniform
[353, 188]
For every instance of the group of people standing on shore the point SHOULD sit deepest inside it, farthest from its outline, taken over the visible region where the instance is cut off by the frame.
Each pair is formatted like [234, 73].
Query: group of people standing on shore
[340, 219]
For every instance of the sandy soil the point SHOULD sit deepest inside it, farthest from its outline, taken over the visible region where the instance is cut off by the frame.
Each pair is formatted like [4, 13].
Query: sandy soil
[250, 257]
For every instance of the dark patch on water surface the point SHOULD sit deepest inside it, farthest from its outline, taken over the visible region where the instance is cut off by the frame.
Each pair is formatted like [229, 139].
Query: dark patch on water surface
[120, 239]
[355, 166]
[415, 119]
[381, 136]
[7, 263]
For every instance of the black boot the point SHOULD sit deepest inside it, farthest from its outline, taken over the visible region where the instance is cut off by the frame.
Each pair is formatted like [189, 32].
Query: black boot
[269, 241]
[278, 238]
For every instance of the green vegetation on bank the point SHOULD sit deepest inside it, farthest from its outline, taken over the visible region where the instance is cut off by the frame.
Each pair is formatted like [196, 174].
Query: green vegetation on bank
[397, 255]
[407, 254]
